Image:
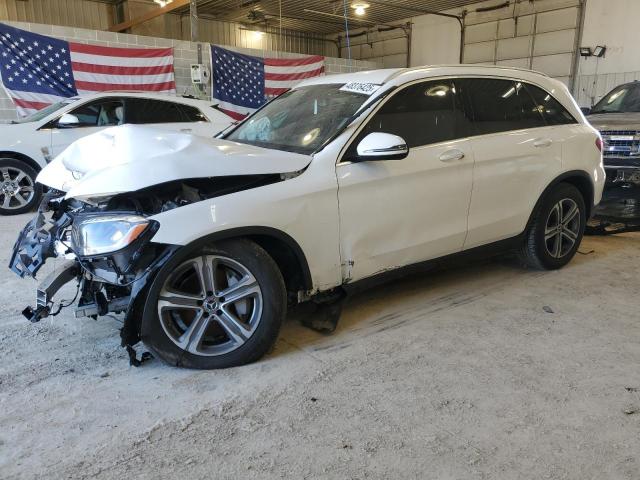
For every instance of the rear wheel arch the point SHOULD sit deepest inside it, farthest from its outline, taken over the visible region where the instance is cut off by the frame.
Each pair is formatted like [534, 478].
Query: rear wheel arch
[579, 179]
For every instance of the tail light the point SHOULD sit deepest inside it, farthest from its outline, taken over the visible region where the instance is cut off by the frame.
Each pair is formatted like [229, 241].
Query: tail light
[599, 144]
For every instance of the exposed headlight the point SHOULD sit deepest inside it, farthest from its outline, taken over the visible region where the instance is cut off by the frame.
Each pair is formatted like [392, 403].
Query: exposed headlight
[105, 234]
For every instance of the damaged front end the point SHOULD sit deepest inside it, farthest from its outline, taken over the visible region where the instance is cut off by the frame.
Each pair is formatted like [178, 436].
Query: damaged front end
[103, 192]
[107, 253]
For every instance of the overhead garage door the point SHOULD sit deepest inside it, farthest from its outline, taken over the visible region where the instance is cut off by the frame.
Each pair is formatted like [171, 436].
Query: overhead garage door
[539, 37]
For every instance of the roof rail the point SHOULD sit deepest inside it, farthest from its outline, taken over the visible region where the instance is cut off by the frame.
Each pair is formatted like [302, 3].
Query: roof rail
[460, 65]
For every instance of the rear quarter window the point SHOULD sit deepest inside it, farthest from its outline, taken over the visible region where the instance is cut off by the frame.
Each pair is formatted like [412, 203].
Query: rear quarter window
[551, 109]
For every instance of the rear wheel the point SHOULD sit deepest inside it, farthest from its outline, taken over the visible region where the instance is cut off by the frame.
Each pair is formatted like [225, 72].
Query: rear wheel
[217, 307]
[19, 192]
[557, 228]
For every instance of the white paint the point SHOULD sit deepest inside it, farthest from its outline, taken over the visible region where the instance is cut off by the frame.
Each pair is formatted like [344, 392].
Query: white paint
[132, 157]
[32, 140]
[397, 212]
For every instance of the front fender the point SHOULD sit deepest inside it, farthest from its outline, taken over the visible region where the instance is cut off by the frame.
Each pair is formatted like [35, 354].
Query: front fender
[303, 209]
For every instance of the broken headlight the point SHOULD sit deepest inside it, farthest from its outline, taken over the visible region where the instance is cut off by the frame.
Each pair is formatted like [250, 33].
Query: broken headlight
[98, 235]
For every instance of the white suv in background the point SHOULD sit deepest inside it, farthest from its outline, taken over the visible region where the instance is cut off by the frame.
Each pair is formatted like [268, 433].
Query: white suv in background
[26, 145]
[343, 180]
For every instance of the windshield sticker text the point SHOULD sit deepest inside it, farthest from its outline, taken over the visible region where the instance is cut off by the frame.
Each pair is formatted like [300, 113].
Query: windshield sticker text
[360, 87]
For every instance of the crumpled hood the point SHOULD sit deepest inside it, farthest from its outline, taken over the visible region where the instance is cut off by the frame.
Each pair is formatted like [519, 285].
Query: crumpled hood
[615, 121]
[131, 157]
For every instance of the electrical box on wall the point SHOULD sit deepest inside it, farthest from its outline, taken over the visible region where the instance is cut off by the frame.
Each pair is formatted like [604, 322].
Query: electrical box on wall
[199, 74]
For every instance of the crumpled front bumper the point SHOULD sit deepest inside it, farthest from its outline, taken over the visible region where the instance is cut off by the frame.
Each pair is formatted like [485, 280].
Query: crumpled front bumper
[36, 243]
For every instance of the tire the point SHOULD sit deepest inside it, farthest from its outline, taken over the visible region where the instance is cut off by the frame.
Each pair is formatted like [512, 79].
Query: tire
[541, 249]
[188, 325]
[19, 192]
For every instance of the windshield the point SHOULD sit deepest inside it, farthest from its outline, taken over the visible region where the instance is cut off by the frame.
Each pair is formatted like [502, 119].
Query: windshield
[40, 114]
[300, 120]
[625, 98]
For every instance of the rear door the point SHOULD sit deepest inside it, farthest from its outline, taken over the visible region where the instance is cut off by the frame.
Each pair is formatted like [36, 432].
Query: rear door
[517, 154]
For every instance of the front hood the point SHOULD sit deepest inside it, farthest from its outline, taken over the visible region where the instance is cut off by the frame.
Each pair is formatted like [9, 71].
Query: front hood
[615, 121]
[131, 157]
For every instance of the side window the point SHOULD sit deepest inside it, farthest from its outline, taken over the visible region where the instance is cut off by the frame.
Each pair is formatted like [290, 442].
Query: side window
[102, 113]
[500, 105]
[422, 114]
[192, 114]
[143, 110]
[552, 110]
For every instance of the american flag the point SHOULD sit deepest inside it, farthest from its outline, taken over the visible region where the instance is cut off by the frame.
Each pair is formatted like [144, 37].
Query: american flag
[38, 70]
[243, 83]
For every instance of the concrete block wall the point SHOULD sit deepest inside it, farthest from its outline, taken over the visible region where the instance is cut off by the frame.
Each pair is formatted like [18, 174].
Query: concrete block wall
[185, 53]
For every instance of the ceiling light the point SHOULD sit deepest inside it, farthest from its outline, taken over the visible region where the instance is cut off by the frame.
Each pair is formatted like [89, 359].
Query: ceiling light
[360, 7]
[163, 3]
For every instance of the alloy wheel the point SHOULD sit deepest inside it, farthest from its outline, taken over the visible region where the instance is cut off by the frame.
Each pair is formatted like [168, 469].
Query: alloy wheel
[16, 188]
[210, 305]
[562, 228]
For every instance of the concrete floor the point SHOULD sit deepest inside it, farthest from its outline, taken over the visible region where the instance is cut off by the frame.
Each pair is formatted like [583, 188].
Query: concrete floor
[483, 371]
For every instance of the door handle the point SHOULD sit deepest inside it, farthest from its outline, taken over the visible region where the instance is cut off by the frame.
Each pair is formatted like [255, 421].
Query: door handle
[186, 129]
[542, 142]
[451, 155]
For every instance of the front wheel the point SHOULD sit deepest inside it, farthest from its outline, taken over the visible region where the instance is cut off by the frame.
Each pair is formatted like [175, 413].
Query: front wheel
[218, 307]
[556, 230]
[19, 192]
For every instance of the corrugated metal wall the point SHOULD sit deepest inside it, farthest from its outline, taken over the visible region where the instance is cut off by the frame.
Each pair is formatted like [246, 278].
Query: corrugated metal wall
[226, 33]
[99, 16]
[70, 13]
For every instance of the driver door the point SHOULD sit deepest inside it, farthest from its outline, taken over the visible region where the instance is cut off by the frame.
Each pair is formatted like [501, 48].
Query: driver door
[399, 212]
[92, 117]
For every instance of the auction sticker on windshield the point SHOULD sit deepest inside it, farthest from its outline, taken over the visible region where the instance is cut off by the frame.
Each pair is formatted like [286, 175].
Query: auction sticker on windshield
[360, 87]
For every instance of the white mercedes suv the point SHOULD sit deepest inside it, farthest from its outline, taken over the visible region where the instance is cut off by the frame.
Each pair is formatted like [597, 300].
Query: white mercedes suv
[342, 181]
[26, 145]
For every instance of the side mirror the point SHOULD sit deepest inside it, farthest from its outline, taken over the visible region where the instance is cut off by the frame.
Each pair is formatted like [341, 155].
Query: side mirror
[68, 121]
[382, 146]
[586, 110]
